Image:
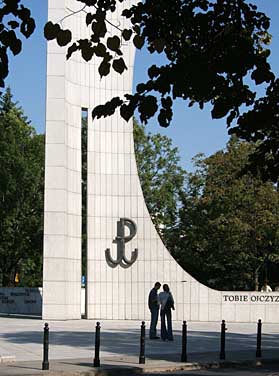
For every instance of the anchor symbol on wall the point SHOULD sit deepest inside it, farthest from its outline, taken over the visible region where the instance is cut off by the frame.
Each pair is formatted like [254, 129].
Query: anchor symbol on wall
[120, 240]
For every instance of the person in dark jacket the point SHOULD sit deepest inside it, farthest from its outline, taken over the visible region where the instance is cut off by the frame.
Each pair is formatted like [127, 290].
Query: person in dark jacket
[153, 305]
[167, 304]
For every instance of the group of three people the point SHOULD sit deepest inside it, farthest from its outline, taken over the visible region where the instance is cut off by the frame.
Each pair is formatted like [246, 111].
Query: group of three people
[164, 303]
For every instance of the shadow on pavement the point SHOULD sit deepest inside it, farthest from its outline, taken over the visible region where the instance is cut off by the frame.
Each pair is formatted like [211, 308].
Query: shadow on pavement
[127, 342]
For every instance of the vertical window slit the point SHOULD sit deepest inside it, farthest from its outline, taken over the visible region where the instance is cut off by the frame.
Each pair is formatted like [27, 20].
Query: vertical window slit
[84, 150]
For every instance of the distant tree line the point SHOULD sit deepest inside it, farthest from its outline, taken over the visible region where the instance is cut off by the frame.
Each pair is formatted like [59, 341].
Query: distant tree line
[219, 222]
[21, 196]
[227, 234]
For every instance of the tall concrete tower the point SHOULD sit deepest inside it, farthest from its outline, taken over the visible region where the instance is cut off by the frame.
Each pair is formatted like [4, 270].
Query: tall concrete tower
[125, 255]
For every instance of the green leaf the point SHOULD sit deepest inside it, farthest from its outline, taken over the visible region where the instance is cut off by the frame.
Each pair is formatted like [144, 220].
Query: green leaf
[141, 88]
[119, 65]
[98, 112]
[99, 28]
[27, 28]
[51, 30]
[126, 111]
[89, 18]
[164, 118]
[127, 13]
[159, 45]
[108, 109]
[153, 71]
[147, 107]
[94, 38]
[220, 109]
[87, 53]
[64, 37]
[16, 46]
[266, 24]
[126, 34]
[166, 102]
[113, 43]
[138, 41]
[13, 24]
[73, 48]
[100, 50]
[104, 69]
[136, 29]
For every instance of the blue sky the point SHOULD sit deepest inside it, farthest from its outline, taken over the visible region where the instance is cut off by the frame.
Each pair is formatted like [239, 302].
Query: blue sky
[192, 130]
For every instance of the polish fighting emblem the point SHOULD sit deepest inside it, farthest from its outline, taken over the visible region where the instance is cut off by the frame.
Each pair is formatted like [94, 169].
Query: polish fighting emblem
[121, 240]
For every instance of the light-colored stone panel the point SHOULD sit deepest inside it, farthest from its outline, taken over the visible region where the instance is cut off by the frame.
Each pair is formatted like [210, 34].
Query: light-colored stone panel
[74, 225]
[74, 248]
[229, 312]
[55, 132]
[195, 292]
[214, 312]
[215, 297]
[242, 312]
[186, 286]
[204, 294]
[56, 155]
[53, 4]
[257, 312]
[56, 87]
[271, 313]
[54, 292]
[56, 65]
[56, 200]
[56, 178]
[194, 312]
[55, 223]
[56, 311]
[55, 109]
[55, 245]
[55, 271]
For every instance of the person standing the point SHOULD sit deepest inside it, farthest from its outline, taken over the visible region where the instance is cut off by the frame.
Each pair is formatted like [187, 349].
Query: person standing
[266, 287]
[153, 304]
[167, 304]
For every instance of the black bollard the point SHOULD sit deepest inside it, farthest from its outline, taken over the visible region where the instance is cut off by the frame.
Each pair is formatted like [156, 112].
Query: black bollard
[97, 346]
[184, 342]
[45, 365]
[142, 343]
[259, 340]
[223, 339]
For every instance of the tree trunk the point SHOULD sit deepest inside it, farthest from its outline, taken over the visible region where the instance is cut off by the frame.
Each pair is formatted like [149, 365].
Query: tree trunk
[256, 280]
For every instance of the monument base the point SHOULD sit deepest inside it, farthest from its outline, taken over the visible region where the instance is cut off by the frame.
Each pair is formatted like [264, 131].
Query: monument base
[21, 301]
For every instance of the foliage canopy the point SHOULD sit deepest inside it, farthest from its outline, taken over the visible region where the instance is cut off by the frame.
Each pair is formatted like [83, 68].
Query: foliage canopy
[21, 196]
[214, 52]
[15, 22]
[228, 227]
[162, 179]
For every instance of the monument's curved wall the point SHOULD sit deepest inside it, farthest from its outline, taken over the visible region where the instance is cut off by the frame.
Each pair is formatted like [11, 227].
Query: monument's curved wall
[114, 192]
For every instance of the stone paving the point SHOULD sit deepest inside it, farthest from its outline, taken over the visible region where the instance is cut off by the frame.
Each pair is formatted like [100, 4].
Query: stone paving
[73, 343]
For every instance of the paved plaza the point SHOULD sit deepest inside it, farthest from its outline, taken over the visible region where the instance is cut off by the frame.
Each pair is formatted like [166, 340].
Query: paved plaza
[72, 342]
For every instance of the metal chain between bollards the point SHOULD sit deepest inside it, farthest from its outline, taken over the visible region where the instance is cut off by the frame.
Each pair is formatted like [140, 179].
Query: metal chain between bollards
[223, 340]
[96, 362]
[45, 364]
[142, 344]
[184, 342]
[259, 339]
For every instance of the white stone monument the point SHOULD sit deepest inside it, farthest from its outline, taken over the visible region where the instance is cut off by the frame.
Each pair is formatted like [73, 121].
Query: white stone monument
[121, 271]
